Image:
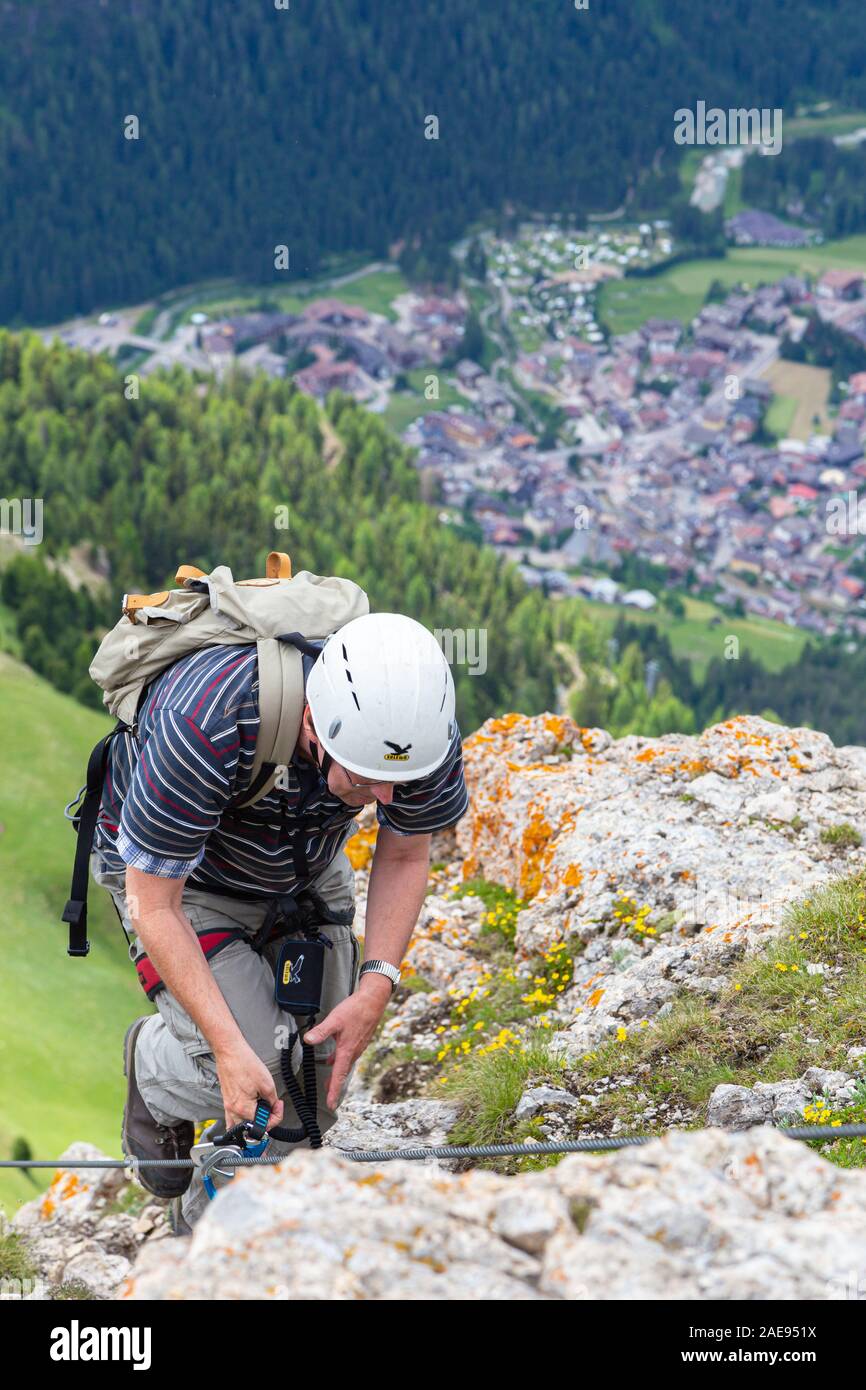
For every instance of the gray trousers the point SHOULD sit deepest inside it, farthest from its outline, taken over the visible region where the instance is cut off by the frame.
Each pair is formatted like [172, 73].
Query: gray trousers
[174, 1064]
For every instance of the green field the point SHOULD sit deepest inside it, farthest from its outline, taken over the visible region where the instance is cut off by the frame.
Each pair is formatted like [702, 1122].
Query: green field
[800, 406]
[733, 193]
[679, 293]
[373, 291]
[828, 125]
[780, 416]
[62, 1021]
[406, 406]
[773, 644]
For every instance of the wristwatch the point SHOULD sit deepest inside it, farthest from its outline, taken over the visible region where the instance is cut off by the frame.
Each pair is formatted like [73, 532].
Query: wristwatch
[382, 967]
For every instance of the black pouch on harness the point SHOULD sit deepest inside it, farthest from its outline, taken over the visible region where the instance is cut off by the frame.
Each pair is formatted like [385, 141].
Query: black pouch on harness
[299, 973]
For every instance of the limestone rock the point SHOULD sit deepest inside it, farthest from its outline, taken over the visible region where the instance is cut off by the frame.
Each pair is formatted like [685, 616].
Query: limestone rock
[538, 1099]
[778, 1102]
[96, 1270]
[787, 1100]
[707, 1215]
[829, 1083]
[363, 1124]
[74, 1232]
[738, 1107]
[690, 828]
[777, 805]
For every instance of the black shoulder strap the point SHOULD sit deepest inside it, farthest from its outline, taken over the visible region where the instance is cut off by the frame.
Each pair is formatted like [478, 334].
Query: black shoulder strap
[261, 779]
[297, 639]
[84, 820]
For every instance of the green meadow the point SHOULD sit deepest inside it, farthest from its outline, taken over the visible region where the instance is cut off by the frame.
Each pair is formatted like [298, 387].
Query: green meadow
[405, 406]
[701, 633]
[372, 291]
[62, 1020]
[679, 292]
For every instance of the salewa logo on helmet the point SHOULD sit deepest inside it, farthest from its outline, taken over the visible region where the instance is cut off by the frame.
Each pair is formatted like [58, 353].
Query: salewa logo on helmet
[400, 754]
[292, 972]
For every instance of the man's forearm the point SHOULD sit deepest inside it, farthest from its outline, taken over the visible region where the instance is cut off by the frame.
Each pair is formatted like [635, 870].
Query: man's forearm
[169, 939]
[398, 884]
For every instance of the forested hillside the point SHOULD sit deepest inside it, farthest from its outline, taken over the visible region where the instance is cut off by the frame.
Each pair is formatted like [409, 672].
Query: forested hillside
[205, 474]
[815, 178]
[304, 126]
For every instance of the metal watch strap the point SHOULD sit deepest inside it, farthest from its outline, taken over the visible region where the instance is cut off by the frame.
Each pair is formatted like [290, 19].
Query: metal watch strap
[382, 967]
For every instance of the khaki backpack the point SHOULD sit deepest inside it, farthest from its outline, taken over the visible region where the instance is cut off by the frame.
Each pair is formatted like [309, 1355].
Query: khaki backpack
[279, 614]
[215, 609]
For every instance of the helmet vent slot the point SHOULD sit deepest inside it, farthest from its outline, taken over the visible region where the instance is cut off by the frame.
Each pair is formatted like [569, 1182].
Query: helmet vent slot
[355, 698]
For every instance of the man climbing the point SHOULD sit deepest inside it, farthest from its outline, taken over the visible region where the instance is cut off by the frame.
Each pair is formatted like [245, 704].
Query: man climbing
[211, 884]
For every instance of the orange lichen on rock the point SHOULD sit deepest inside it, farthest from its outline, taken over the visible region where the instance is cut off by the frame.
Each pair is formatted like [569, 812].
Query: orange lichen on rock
[647, 755]
[505, 723]
[63, 1186]
[360, 847]
[693, 767]
[470, 867]
[573, 876]
[537, 851]
[559, 726]
[536, 767]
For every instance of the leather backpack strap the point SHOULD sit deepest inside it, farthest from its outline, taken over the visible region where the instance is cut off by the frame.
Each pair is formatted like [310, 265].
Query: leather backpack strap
[281, 708]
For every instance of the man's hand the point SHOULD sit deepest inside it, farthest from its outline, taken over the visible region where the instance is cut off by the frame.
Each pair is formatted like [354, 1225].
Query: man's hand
[398, 882]
[352, 1025]
[243, 1077]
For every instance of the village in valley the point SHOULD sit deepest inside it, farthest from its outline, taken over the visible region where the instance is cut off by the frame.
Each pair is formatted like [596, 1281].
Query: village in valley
[570, 438]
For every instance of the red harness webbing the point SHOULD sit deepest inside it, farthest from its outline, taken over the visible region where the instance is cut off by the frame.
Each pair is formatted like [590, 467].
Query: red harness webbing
[210, 942]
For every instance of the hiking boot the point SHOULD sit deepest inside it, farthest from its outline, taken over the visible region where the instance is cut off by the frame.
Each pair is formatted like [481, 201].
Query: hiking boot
[142, 1137]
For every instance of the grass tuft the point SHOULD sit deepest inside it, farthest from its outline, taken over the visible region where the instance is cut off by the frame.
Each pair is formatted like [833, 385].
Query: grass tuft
[842, 836]
[15, 1261]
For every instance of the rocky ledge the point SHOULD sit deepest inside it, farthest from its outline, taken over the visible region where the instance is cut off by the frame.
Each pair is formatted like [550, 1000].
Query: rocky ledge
[690, 1216]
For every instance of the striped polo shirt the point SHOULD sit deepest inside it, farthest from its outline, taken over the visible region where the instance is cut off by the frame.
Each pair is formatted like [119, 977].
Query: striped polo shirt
[168, 802]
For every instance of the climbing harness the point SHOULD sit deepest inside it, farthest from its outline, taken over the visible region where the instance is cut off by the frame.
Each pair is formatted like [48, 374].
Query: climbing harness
[210, 942]
[298, 980]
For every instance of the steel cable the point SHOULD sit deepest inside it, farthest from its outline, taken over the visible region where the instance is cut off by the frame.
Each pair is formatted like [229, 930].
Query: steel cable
[446, 1151]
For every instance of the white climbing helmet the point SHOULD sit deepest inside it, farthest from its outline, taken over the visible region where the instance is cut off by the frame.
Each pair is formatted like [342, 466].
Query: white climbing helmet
[382, 698]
